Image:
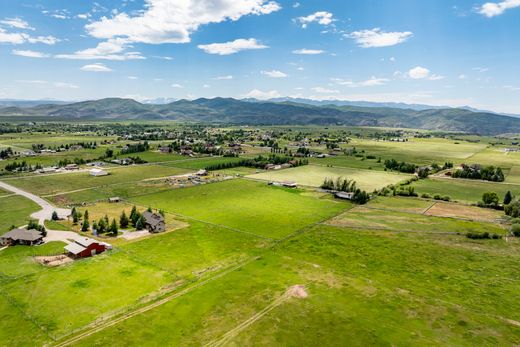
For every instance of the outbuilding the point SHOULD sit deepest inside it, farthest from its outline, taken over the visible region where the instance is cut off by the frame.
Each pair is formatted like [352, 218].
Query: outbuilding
[344, 195]
[85, 247]
[97, 172]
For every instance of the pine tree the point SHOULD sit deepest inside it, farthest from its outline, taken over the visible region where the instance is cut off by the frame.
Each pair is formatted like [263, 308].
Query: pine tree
[133, 212]
[85, 215]
[123, 220]
[75, 217]
[508, 198]
[113, 227]
[54, 216]
[139, 225]
[85, 225]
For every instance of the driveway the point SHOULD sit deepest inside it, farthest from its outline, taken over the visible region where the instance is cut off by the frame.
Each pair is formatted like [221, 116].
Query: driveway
[47, 208]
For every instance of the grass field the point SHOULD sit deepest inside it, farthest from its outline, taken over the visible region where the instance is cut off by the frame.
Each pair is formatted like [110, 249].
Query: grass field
[248, 206]
[15, 210]
[313, 175]
[376, 288]
[469, 191]
[200, 163]
[59, 183]
[368, 218]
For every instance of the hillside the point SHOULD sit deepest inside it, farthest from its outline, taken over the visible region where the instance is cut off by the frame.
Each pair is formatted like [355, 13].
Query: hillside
[228, 110]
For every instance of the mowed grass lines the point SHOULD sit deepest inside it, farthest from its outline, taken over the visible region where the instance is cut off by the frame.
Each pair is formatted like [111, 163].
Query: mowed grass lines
[58, 183]
[245, 205]
[15, 210]
[313, 175]
[367, 218]
[376, 288]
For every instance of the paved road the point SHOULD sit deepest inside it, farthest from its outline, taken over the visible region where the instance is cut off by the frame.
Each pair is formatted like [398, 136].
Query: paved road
[47, 208]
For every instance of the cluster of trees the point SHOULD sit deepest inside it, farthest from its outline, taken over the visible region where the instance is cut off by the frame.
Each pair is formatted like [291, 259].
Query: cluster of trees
[103, 225]
[511, 205]
[6, 153]
[303, 151]
[259, 162]
[38, 147]
[476, 171]
[21, 166]
[77, 161]
[392, 164]
[340, 184]
[136, 148]
[36, 226]
[137, 160]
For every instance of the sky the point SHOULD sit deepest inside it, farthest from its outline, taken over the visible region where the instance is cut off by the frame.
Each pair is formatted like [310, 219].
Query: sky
[435, 52]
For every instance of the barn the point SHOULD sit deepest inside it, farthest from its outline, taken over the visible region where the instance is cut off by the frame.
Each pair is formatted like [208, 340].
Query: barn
[85, 247]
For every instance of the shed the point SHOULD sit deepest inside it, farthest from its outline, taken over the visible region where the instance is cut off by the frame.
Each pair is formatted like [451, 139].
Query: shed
[97, 172]
[114, 199]
[344, 195]
[85, 247]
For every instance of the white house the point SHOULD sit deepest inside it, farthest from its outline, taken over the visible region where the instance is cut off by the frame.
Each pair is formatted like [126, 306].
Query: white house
[97, 172]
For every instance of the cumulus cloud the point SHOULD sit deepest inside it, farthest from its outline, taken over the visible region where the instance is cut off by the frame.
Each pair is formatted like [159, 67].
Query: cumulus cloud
[16, 23]
[320, 17]
[112, 49]
[492, 9]
[17, 38]
[274, 74]
[232, 47]
[258, 94]
[173, 21]
[98, 67]
[305, 51]
[420, 72]
[30, 54]
[378, 38]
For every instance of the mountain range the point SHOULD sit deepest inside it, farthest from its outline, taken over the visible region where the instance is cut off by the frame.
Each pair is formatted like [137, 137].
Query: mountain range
[278, 112]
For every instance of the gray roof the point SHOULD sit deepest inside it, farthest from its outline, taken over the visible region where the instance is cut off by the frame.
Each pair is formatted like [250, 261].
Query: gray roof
[85, 241]
[153, 218]
[74, 248]
[23, 234]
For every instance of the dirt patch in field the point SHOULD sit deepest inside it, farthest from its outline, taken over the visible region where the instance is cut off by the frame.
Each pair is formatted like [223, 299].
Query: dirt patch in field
[297, 291]
[461, 211]
[54, 260]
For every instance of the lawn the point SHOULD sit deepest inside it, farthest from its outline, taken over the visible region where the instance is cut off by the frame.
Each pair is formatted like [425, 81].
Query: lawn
[375, 288]
[15, 210]
[469, 191]
[368, 218]
[313, 175]
[59, 183]
[248, 206]
[18, 261]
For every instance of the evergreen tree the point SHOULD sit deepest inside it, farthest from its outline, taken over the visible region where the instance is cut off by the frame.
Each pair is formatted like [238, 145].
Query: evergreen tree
[75, 216]
[54, 216]
[85, 215]
[123, 220]
[113, 227]
[85, 225]
[508, 198]
[139, 225]
[133, 212]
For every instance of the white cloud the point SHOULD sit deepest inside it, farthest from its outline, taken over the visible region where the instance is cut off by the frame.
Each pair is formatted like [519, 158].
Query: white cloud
[296, 5]
[173, 21]
[462, 77]
[305, 51]
[132, 77]
[177, 85]
[112, 49]
[371, 82]
[323, 90]
[98, 67]
[481, 69]
[206, 86]
[320, 17]
[231, 47]
[378, 38]
[30, 54]
[219, 78]
[274, 74]
[17, 38]
[492, 9]
[65, 85]
[32, 81]
[258, 94]
[420, 72]
[17, 23]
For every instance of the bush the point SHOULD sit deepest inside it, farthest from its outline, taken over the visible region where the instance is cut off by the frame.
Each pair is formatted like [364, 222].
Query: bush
[483, 236]
[515, 230]
[426, 196]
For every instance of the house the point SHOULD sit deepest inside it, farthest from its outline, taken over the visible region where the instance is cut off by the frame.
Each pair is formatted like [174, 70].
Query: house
[123, 161]
[85, 247]
[154, 222]
[97, 172]
[344, 195]
[290, 184]
[21, 237]
[114, 199]
[71, 167]
[96, 163]
[165, 149]
[201, 172]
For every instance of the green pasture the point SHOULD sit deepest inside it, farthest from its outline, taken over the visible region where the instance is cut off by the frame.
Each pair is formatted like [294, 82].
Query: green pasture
[15, 210]
[495, 156]
[400, 204]
[314, 175]
[348, 161]
[469, 191]
[368, 288]
[200, 163]
[59, 183]
[249, 206]
[369, 218]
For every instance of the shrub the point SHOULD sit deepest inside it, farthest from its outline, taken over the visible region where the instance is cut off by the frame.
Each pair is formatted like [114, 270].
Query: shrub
[426, 196]
[515, 230]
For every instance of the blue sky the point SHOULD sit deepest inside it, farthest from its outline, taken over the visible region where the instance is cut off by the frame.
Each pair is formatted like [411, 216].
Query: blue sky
[437, 52]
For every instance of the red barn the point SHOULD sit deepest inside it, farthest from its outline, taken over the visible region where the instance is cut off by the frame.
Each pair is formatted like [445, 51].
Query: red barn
[85, 247]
